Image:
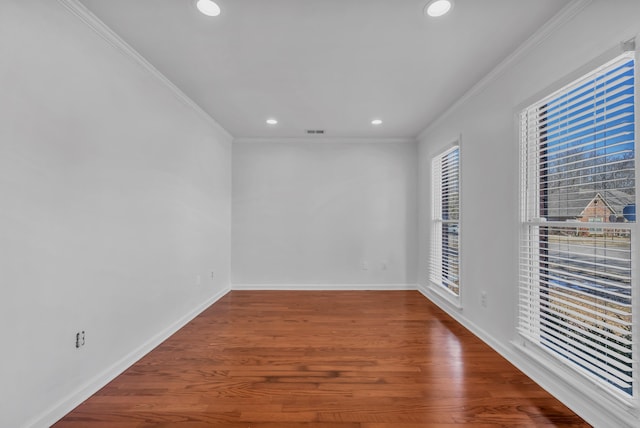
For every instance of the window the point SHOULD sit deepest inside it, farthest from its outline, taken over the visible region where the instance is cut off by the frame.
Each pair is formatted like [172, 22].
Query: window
[445, 256]
[578, 196]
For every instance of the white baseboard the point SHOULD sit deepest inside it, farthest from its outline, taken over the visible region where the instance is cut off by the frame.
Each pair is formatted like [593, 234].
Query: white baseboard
[69, 403]
[580, 396]
[324, 287]
[588, 405]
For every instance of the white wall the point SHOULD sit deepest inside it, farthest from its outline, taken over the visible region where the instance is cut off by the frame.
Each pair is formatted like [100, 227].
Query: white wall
[489, 159]
[115, 196]
[311, 213]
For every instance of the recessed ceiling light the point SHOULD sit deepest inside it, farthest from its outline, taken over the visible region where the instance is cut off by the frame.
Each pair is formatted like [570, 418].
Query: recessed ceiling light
[208, 7]
[437, 8]
[376, 122]
[272, 122]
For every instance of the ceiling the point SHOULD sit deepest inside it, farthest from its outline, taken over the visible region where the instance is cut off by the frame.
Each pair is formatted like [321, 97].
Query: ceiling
[324, 64]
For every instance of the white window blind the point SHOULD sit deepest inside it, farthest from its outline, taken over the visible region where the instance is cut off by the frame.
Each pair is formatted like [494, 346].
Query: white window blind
[445, 256]
[578, 198]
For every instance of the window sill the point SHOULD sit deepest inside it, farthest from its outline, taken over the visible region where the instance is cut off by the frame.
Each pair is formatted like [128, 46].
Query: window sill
[446, 295]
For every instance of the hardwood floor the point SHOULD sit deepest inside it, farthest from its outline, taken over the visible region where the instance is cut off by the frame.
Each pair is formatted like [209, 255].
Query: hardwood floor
[319, 359]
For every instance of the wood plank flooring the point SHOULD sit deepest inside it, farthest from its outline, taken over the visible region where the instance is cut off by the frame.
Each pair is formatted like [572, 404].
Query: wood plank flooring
[320, 359]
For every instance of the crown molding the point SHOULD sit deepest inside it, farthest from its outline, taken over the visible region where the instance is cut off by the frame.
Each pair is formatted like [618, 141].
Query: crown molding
[323, 140]
[557, 21]
[90, 20]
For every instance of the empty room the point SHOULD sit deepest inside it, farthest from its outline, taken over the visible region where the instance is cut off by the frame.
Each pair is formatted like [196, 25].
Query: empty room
[305, 213]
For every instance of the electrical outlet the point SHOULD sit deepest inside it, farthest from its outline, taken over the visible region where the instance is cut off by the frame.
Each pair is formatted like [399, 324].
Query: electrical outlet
[483, 299]
[80, 341]
[384, 265]
[365, 265]
[212, 276]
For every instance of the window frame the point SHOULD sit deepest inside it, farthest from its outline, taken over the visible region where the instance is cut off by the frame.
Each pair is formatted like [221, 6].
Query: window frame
[525, 198]
[435, 262]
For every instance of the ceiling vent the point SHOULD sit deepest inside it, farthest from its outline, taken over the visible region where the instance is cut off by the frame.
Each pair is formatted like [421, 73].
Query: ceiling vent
[315, 131]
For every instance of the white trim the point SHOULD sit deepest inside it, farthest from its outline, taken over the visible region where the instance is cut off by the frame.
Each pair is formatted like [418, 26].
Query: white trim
[445, 293]
[635, 246]
[596, 407]
[438, 297]
[529, 319]
[323, 140]
[556, 22]
[588, 67]
[107, 34]
[325, 287]
[66, 404]
[597, 410]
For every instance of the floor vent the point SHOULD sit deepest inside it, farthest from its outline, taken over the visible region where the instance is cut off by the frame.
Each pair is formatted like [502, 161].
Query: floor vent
[315, 131]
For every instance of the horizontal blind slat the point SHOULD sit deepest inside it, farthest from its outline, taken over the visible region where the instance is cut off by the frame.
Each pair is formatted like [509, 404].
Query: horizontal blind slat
[575, 270]
[444, 258]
